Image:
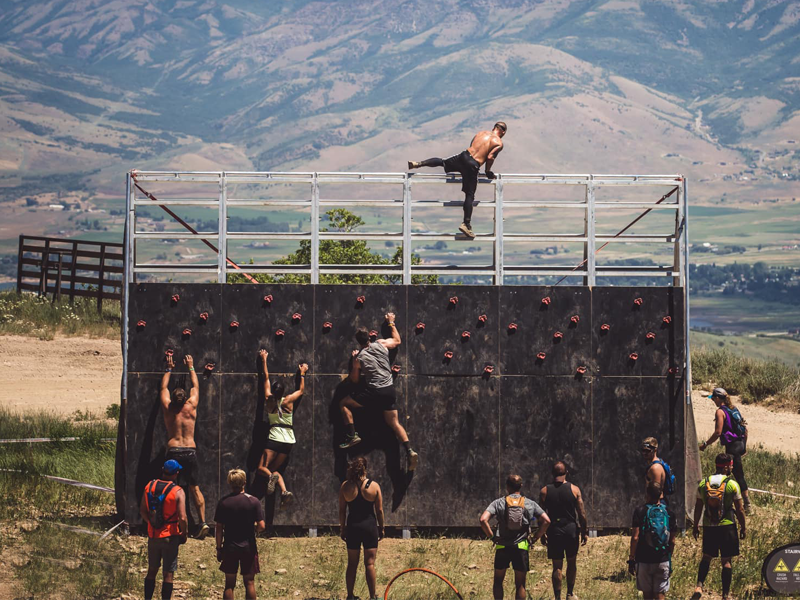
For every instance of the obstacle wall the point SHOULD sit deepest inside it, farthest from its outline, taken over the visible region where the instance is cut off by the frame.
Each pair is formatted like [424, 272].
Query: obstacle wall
[490, 380]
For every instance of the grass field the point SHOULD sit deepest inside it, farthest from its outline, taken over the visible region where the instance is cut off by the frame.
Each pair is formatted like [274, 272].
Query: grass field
[45, 560]
[743, 314]
[761, 347]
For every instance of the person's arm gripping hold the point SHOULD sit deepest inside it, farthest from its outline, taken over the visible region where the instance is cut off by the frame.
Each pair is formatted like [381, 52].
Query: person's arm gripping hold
[164, 395]
[288, 402]
[394, 341]
[267, 390]
[194, 393]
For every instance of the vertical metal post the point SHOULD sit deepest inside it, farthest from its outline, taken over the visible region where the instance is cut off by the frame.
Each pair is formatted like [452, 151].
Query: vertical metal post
[57, 294]
[683, 196]
[130, 235]
[406, 230]
[680, 241]
[315, 229]
[127, 279]
[43, 273]
[19, 263]
[100, 277]
[73, 272]
[498, 230]
[222, 241]
[590, 278]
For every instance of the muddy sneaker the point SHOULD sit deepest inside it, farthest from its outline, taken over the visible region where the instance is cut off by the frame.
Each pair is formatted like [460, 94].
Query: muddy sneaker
[698, 593]
[413, 460]
[202, 531]
[273, 481]
[413, 165]
[466, 230]
[287, 498]
[350, 440]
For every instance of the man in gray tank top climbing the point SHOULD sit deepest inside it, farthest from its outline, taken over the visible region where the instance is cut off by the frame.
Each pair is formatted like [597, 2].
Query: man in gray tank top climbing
[563, 503]
[371, 362]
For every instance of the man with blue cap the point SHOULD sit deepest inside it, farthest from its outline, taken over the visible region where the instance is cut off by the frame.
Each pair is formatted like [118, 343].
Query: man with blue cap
[163, 508]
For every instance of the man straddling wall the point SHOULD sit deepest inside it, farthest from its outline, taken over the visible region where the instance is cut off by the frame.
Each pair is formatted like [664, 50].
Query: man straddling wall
[180, 416]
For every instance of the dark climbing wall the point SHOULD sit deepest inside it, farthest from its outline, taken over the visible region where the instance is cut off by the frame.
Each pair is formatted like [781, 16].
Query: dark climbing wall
[536, 374]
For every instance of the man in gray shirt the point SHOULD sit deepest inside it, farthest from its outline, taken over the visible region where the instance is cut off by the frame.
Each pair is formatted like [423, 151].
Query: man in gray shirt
[371, 362]
[515, 514]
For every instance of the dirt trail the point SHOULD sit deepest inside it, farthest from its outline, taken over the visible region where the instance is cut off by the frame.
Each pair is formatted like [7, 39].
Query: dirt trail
[79, 373]
[63, 375]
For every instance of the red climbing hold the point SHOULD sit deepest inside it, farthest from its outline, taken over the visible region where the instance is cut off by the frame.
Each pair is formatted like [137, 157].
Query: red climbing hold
[666, 320]
[209, 367]
[558, 335]
[187, 332]
[633, 356]
[638, 301]
[453, 300]
[448, 355]
[581, 370]
[488, 369]
[465, 335]
[169, 352]
[512, 327]
[327, 325]
[605, 327]
[672, 370]
[361, 299]
[296, 317]
[650, 335]
[204, 316]
[141, 323]
[280, 333]
[546, 300]
[395, 368]
[575, 319]
[175, 298]
[482, 318]
[541, 356]
[420, 326]
[373, 335]
[268, 299]
[234, 324]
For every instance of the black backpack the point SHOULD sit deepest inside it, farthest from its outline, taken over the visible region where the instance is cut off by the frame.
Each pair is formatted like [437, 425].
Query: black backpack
[157, 491]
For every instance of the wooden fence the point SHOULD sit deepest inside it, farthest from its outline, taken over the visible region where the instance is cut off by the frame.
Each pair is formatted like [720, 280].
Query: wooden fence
[70, 268]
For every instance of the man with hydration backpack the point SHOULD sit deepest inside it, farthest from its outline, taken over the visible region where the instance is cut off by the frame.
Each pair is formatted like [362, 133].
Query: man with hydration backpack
[731, 430]
[652, 541]
[515, 514]
[163, 508]
[658, 471]
[720, 496]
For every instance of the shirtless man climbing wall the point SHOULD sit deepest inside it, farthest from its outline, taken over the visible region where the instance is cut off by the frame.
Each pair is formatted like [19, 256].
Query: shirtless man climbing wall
[484, 148]
[180, 415]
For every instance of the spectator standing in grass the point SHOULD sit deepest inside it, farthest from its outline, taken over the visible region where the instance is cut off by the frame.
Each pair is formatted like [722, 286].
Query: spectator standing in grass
[658, 470]
[361, 523]
[719, 502]
[731, 430]
[163, 508]
[652, 543]
[515, 515]
[563, 503]
[239, 517]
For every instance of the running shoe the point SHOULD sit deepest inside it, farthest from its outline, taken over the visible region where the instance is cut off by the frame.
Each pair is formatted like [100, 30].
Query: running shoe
[697, 595]
[273, 481]
[287, 498]
[413, 460]
[350, 441]
[202, 531]
[413, 165]
[466, 230]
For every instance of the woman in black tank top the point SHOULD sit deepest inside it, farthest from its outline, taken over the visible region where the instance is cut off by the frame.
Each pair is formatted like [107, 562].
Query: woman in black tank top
[361, 522]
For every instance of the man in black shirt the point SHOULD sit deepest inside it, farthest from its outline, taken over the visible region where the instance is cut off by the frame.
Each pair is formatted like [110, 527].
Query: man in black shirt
[563, 503]
[239, 516]
[652, 543]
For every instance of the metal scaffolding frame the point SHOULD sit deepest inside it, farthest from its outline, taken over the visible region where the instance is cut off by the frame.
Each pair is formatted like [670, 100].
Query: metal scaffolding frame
[588, 269]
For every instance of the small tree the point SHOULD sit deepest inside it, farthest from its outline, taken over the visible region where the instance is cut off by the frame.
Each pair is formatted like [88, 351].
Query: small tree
[339, 252]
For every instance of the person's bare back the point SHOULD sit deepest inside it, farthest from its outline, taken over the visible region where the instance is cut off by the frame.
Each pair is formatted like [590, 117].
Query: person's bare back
[180, 416]
[485, 146]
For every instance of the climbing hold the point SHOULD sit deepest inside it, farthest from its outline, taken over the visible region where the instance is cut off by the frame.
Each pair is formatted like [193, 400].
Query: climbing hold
[633, 356]
[488, 369]
[141, 323]
[169, 352]
[296, 317]
[650, 335]
[558, 335]
[605, 327]
[638, 301]
[581, 370]
[672, 370]
[512, 327]
[234, 324]
[175, 298]
[448, 355]
[465, 335]
[209, 367]
[187, 332]
[420, 327]
[360, 300]
[204, 316]
[666, 320]
[482, 318]
[327, 326]
[541, 356]
[280, 333]
[396, 368]
[546, 300]
[268, 299]
[453, 300]
[373, 335]
[575, 319]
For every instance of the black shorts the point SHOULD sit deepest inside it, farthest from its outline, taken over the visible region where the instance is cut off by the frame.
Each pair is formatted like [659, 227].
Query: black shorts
[378, 398]
[365, 533]
[561, 544]
[244, 559]
[468, 167]
[279, 447]
[187, 458]
[514, 556]
[721, 541]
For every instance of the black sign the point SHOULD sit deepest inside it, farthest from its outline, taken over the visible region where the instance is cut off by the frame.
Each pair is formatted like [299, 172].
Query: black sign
[781, 570]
